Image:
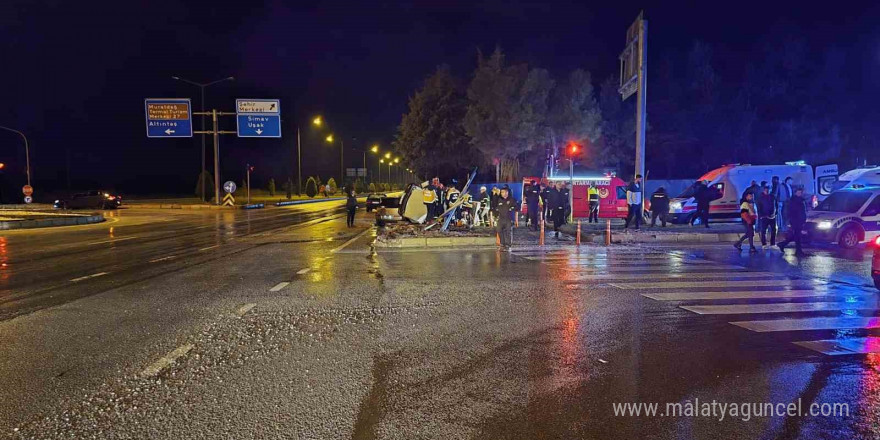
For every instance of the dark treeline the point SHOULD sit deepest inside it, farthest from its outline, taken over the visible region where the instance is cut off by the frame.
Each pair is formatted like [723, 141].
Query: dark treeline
[789, 101]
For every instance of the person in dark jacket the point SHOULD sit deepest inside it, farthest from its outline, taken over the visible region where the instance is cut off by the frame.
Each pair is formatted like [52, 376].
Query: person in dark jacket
[767, 216]
[533, 196]
[659, 206]
[566, 211]
[702, 195]
[797, 217]
[351, 204]
[556, 200]
[506, 208]
[545, 198]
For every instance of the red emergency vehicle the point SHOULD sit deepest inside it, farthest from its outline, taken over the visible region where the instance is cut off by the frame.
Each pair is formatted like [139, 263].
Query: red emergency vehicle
[612, 194]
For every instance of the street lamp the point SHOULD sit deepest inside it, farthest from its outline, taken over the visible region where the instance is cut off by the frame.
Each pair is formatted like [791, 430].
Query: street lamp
[317, 121]
[27, 154]
[341, 158]
[201, 87]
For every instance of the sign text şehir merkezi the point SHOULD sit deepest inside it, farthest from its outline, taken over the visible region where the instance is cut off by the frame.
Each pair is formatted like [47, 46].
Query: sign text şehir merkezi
[258, 117]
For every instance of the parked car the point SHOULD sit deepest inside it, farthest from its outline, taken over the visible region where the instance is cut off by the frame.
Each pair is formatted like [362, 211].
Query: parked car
[847, 217]
[374, 201]
[90, 200]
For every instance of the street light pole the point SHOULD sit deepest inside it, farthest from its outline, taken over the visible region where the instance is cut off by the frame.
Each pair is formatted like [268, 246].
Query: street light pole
[341, 163]
[27, 154]
[298, 164]
[201, 87]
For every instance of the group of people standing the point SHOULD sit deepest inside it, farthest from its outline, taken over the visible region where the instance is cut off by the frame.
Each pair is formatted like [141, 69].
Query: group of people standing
[553, 201]
[774, 208]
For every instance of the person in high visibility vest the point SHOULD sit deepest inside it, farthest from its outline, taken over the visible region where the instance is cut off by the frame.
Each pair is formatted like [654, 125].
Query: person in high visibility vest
[593, 197]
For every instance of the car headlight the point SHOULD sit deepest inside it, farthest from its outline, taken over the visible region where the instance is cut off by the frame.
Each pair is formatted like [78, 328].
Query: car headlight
[675, 206]
[825, 225]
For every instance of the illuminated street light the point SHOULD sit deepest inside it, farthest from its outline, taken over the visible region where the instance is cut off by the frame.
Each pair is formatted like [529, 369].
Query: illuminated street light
[375, 149]
[396, 160]
[317, 121]
[388, 155]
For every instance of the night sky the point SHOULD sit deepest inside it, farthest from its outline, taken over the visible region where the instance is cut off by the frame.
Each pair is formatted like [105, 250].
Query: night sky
[75, 74]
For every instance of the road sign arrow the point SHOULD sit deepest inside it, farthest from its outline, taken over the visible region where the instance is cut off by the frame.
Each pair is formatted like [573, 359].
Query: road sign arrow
[169, 131]
[259, 131]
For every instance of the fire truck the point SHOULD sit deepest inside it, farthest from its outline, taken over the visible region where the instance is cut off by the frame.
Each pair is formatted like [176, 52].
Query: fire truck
[612, 194]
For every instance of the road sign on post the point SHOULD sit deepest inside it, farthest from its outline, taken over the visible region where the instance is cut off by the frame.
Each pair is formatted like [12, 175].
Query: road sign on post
[27, 190]
[633, 80]
[28, 199]
[229, 186]
[168, 117]
[258, 117]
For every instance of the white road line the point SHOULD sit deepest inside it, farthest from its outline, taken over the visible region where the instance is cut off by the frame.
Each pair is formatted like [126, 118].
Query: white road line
[752, 294]
[244, 309]
[166, 360]
[600, 258]
[279, 286]
[344, 245]
[170, 257]
[696, 270]
[730, 283]
[660, 278]
[112, 241]
[788, 325]
[836, 347]
[94, 275]
[209, 247]
[736, 309]
[303, 271]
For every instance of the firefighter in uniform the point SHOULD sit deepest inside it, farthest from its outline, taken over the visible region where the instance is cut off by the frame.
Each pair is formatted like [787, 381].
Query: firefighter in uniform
[593, 197]
[532, 196]
[505, 209]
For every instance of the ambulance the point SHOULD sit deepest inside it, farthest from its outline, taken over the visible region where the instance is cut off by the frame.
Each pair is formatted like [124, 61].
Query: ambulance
[730, 181]
[858, 178]
[612, 194]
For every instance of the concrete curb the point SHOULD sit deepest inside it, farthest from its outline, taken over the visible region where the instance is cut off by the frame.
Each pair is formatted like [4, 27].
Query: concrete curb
[435, 242]
[187, 206]
[50, 222]
[666, 238]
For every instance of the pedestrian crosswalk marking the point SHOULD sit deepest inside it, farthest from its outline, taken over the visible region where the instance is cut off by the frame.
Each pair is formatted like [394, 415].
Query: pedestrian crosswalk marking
[695, 269]
[837, 347]
[736, 309]
[659, 278]
[751, 294]
[598, 258]
[799, 324]
[730, 283]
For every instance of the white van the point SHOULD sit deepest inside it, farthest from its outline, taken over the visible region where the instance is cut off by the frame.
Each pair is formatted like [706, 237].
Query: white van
[847, 217]
[858, 178]
[730, 181]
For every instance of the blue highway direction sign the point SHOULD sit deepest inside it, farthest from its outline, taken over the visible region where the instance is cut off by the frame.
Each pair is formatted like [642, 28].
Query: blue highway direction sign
[258, 117]
[168, 117]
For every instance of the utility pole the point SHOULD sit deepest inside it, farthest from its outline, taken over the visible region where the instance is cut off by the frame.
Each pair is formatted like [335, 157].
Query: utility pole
[298, 164]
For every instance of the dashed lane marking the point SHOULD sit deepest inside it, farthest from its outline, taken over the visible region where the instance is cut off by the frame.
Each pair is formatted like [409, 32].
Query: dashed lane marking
[170, 257]
[112, 241]
[244, 309]
[209, 248]
[94, 275]
[279, 286]
[166, 360]
[303, 271]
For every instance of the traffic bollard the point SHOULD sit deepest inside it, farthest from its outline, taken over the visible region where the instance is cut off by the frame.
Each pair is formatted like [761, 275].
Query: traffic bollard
[497, 239]
[608, 232]
[541, 239]
[579, 233]
[516, 219]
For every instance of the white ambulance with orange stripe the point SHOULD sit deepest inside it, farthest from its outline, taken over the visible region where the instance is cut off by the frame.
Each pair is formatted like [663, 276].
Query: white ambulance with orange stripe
[730, 181]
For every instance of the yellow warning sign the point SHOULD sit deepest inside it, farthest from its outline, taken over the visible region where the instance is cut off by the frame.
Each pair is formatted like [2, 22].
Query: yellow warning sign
[228, 200]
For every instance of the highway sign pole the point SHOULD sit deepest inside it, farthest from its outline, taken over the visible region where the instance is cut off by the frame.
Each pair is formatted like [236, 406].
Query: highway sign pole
[216, 157]
[633, 80]
[298, 164]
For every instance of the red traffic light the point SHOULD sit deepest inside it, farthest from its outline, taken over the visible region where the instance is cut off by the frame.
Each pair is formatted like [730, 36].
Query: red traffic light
[573, 149]
[2, 165]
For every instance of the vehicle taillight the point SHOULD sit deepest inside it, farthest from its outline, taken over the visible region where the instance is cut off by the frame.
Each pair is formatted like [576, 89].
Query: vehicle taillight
[877, 241]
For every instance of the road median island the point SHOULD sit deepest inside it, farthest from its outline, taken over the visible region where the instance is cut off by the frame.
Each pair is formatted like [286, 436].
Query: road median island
[406, 235]
[717, 233]
[13, 220]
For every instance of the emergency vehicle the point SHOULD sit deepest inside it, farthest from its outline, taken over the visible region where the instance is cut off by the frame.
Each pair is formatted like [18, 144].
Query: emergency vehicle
[858, 178]
[847, 217]
[730, 181]
[612, 194]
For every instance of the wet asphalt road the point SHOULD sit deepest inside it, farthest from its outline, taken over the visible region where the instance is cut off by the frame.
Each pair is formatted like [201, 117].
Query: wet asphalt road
[281, 337]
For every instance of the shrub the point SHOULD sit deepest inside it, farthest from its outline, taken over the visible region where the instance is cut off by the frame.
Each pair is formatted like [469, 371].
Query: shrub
[331, 186]
[271, 187]
[311, 187]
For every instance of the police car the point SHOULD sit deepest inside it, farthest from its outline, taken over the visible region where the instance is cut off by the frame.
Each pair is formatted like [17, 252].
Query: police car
[847, 217]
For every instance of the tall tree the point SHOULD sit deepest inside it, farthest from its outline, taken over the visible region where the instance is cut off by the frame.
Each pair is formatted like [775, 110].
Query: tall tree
[431, 135]
[574, 111]
[507, 108]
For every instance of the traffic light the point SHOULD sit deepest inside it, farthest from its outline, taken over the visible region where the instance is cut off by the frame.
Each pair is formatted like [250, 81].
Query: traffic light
[573, 149]
[2, 165]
